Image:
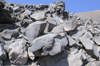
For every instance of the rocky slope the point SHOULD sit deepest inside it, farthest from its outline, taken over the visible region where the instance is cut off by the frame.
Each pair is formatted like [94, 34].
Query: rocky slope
[47, 35]
[94, 15]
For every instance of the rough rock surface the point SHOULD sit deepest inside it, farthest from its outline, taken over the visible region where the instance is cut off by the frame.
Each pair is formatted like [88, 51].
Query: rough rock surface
[47, 35]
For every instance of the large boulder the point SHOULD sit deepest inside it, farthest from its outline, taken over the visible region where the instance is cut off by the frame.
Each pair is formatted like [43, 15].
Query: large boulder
[18, 54]
[34, 30]
[53, 45]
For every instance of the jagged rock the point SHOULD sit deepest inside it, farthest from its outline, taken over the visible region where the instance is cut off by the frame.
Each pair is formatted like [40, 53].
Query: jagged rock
[72, 41]
[39, 15]
[58, 29]
[93, 63]
[96, 51]
[27, 12]
[70, 24]
[57, 60]
[31, 55]
[8, 34]
[58, 7]
[51, 23]
[34, 30]
[2, 53]
[87, 43]
[18, 54]
[97, 39]
[48, 46]
[42, 42]
[76, 57]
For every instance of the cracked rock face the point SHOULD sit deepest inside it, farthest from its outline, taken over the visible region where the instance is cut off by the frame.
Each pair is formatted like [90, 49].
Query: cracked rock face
[47, 35]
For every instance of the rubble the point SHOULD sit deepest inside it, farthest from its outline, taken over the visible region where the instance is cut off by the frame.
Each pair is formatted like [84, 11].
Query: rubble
[47, 35]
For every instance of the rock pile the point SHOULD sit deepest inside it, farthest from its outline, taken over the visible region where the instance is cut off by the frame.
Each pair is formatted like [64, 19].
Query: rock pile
[47, 35]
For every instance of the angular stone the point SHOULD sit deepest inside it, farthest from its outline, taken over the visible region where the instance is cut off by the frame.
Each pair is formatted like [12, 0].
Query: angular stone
[58, 29]
[34, 30]
[72, 41]
[53, 45]
[8, 34]
[42, 42]
[97, 39]
[70, 24]
[59, 45]
[27, 12]
[51, 23]
[38, 16]
[74, 58]
[18, 54]
[96, 51]
[2, 53]
[31, 55]
[93, 63]
[87, 43]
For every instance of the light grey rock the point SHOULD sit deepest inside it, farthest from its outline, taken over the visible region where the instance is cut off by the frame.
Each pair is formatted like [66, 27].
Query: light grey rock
[87, 43]
[59, 20]
[58, 29]
[27, 12]
[96, 50]
[39, 15]
[77, 34]
[2, 53]
[72, 41]
[97, 39]
[8, 34]
[18, 54]
[42, 42]
[51, 23]
[34, 30]
[59, 45]
[70, 24]
[76, 57]
[53, 45]
[31, 55]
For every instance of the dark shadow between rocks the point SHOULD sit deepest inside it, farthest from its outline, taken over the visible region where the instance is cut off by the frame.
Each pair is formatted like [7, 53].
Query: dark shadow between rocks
[5, 17]
[56, 60]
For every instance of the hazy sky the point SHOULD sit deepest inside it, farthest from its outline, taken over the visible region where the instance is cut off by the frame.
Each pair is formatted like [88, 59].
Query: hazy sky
[73, 6]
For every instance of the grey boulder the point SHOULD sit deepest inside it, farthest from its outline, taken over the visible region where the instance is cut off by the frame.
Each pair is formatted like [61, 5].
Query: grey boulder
[70, 24]
[38, 15]
[18, 53]
[34, 30]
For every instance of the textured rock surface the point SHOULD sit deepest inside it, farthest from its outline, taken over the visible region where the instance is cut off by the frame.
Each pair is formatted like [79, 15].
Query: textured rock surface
[47, 35]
